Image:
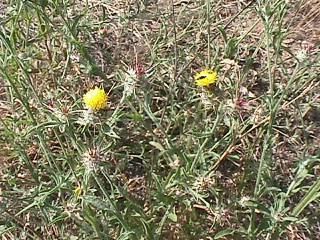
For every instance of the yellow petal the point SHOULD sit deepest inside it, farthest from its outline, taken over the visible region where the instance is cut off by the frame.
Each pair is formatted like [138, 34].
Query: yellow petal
[95, 99]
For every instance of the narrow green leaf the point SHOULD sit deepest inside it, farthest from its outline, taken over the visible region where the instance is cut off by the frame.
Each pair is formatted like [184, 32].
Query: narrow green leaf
[224, 233]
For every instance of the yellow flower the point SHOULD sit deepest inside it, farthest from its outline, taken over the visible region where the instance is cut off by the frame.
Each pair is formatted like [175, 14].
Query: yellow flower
[78, 191]
[95, 99]
[206, 78]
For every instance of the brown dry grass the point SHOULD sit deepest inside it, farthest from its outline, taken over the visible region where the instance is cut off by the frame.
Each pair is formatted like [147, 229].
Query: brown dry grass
[115, 43]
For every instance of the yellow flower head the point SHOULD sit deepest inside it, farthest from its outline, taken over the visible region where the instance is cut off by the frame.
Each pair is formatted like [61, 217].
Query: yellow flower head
[95, 99]
[78, 191]
[206, 78]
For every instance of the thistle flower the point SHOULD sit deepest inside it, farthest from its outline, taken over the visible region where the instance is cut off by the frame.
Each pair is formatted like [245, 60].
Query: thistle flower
[205, 99]
[86, 118]
[129, 83]
[203, 184]
[302, 55]
[96, 99]
[206, 78]
[91, 158]
[139, 68]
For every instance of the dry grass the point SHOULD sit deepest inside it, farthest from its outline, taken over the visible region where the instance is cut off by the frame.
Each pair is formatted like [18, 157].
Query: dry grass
[167, 165]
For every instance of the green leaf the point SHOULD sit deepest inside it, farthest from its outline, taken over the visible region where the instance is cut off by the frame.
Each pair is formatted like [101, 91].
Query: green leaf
[173, 217]
[224, 233]
[157, 146]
